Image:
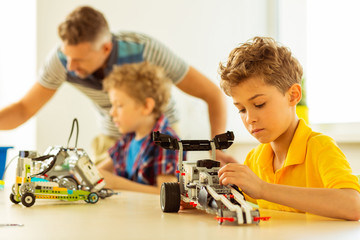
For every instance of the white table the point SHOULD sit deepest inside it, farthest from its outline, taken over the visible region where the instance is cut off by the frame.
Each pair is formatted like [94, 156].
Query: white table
[138, 216]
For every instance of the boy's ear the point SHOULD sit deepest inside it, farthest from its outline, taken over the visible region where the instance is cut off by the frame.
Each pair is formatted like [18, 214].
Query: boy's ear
[149, 106]
[295, 94]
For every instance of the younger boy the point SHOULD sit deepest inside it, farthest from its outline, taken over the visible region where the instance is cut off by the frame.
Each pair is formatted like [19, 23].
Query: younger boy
[139, 94]
[294, 168]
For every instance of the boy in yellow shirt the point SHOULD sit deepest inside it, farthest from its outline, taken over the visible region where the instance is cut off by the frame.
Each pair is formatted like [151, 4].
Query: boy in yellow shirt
[294, 168]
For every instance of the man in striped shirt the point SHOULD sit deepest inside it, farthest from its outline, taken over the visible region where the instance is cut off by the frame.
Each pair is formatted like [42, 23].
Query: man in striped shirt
[87, 54]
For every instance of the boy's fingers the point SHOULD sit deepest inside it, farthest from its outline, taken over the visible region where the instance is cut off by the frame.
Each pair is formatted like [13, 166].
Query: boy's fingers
[230, 167]
[227, 178]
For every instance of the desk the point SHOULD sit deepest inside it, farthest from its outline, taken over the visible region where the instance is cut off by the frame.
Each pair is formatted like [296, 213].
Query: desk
[138, 216]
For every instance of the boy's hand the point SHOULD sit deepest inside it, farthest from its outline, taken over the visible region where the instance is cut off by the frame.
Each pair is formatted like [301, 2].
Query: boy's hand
[244, 178]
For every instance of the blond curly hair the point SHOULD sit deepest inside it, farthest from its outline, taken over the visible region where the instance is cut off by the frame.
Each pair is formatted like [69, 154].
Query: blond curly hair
[140, 81]
[260, 57]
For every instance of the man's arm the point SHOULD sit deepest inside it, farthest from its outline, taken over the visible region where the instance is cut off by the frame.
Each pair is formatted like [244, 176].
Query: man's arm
[17, 113]
[116, 182]
[328, 202]
[197, 85]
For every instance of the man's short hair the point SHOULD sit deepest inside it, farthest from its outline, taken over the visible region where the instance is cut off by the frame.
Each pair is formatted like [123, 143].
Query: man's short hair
[140, 81]
[261, 57]
[84, 24]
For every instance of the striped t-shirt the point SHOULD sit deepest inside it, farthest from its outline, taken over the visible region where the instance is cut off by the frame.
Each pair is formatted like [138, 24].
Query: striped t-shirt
[128, 47]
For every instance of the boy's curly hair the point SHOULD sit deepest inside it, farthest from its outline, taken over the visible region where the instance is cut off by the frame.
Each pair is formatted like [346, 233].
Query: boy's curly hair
[260, 57]
[140, 81]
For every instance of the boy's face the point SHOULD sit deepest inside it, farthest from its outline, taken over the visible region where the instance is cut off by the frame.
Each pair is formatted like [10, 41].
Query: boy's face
[265, 111]
[125, 111]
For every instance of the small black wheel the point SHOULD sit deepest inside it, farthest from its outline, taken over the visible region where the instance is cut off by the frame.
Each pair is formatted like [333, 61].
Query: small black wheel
[12, 199]
[93, 198]
[28, 199]
[170, 197]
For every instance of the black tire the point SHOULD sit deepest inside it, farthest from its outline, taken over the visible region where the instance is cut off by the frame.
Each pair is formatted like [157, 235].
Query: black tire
[12, 199]
[28, 199]
[93, 198]
[170, 197]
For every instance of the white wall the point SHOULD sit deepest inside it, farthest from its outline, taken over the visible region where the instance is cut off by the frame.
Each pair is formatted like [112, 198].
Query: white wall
[292, 24]
[200, 31]
[17, 65]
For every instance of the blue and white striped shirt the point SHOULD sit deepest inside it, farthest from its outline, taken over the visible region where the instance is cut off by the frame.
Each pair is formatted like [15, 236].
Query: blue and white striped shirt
[128, 47]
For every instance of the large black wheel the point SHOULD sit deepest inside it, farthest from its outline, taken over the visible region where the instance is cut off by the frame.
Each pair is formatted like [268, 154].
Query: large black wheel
[93, 198]
[28, 199]
[170, 197]
[12, 199]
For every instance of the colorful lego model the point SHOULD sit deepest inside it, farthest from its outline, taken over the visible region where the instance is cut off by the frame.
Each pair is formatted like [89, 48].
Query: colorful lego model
[60, 173]
[69, 167]
[29, 187]
[198, 183]
[3, 153]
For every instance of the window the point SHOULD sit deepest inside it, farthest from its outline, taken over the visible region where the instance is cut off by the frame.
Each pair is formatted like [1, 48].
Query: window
[333, 80]
[17, 63]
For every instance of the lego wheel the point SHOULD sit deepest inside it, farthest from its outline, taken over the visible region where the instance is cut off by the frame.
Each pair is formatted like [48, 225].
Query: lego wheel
[105, 192]
[93, 198]
[170, 197]
[12, 199]
[68, 182]
[27, 188]
[28, 199]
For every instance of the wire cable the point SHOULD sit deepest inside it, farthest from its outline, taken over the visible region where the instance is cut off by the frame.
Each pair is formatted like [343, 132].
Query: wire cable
[75, 121]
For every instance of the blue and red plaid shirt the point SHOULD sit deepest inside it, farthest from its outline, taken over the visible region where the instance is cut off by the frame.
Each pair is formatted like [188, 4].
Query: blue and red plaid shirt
[151, 161]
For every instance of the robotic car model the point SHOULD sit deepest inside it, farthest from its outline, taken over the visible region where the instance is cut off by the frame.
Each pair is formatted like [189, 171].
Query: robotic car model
[70, 168]
[28, 186]
[61, 173]
[199, 185]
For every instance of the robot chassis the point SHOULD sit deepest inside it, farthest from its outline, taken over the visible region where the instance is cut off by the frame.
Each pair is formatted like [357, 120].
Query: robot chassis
[67, 175]
[61, 173]
[198, 183]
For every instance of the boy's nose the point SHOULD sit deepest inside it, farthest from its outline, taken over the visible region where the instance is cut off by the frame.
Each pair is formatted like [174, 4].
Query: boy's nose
[250, 118]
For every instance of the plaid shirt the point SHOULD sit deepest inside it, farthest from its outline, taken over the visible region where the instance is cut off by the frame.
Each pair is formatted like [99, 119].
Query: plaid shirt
[151, 161]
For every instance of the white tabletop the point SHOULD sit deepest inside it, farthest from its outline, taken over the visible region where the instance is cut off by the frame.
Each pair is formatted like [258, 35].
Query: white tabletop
[138, 216]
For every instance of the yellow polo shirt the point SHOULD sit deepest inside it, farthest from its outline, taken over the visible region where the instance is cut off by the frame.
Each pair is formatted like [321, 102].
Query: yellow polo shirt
[313, 160]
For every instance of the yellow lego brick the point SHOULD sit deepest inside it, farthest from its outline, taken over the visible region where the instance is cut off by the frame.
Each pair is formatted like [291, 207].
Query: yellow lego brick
[19, 179]
[59, 189]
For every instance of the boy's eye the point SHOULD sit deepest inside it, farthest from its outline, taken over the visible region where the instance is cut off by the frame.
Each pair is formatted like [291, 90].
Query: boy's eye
[259, 105]
[242, 110]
